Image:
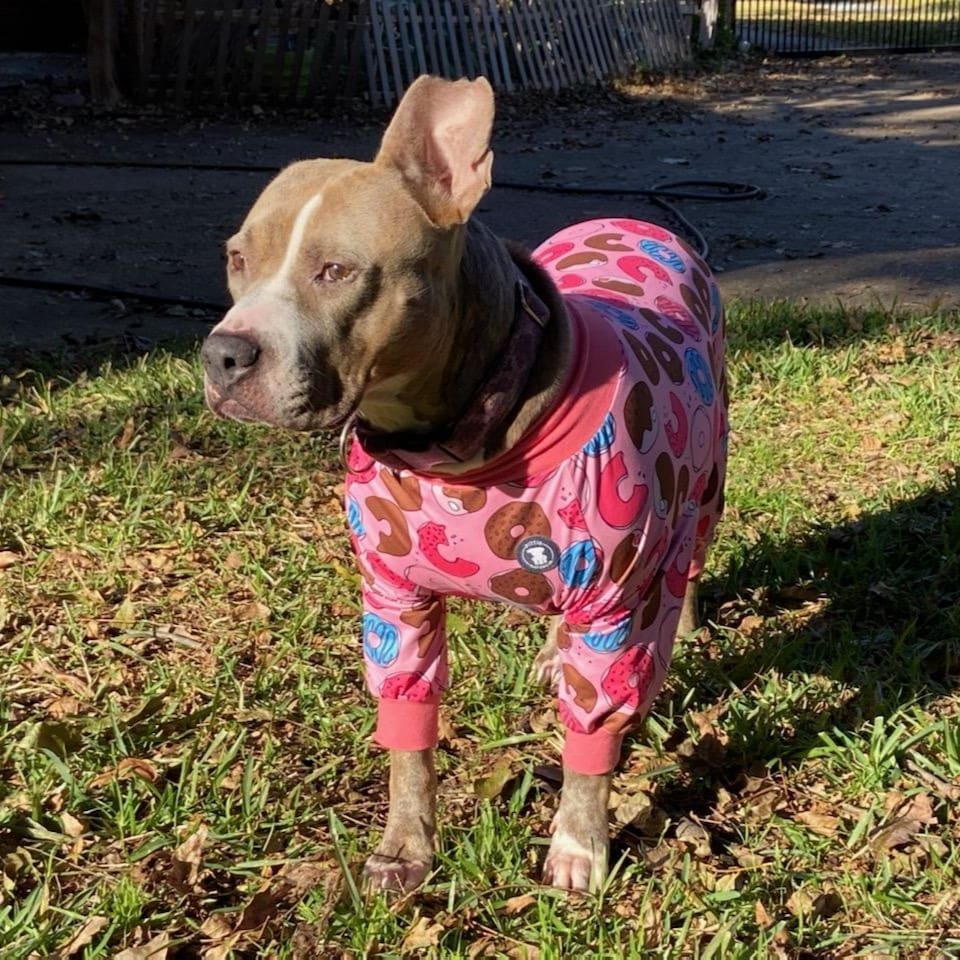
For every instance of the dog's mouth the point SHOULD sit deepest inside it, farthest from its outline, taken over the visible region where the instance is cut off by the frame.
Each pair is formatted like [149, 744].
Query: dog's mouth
[228, 407]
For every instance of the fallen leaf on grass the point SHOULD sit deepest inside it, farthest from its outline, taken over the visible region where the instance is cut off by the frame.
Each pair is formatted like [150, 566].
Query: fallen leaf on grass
[83, 936]
[821, 823]
[423, 933]
[491, 786]
[695, 836]
[911, 817]
[72, 827]
[126, 614]
[187, 857]
[518, 904]
[252, 611]
[126, 769]
[804, 903]
[8, 558]
[155, 949]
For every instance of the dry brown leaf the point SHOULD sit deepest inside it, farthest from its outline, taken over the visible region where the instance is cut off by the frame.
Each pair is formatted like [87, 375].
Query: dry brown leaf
[524, 951]
[126, 769]
[188, 856]
[632, 807]
[155, 949]
[424, 933]
[8, 558]
[821, 823]
[216, 927]
[750, 625]
[222, 950]
[912, 815]
[520, 903]
[252, 611]
[126, 437]
[83, 936]
[491, 786]
[695, 836]
[763, 918]
[233, 560]
[72, 827]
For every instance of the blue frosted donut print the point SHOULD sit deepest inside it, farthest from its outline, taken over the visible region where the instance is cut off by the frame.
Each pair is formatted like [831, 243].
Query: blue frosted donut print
[608, 642]
[617, 314]
[699, 374]
[663, 254]
[386, 651]
[578, 564]
[602, 439]
[355, 518]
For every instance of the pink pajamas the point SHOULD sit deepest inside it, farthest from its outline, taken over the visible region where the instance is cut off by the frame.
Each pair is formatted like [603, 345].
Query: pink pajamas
[599, 515]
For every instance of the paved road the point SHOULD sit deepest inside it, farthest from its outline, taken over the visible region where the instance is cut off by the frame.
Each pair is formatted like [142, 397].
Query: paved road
[859, 160]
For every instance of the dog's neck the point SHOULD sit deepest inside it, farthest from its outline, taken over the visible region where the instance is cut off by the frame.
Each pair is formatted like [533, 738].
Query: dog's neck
[496, 311]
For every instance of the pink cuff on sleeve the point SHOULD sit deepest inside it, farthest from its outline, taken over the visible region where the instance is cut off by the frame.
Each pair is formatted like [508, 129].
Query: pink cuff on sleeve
[592, 753]
[407, 724]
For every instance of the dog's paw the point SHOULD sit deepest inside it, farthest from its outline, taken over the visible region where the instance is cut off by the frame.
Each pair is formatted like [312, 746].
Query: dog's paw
[393, 874]
[570, 865]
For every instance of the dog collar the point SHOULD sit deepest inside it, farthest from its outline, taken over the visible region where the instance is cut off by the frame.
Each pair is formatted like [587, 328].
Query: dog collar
[488, 408]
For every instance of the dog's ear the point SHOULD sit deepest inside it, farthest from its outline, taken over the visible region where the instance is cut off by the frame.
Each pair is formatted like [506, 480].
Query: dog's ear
[439, 140]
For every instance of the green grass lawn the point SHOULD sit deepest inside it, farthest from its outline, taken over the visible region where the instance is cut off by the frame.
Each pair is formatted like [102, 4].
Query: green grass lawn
[185, 766]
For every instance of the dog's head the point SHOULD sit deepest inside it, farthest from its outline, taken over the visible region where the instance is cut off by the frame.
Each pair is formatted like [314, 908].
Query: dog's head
[343, 273]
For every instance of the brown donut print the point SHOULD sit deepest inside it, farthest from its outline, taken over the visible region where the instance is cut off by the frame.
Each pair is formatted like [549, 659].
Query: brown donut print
[506, 527]
[651, 609]
[624, 558]
[582, 260]
[640, 416]
[607, 241]
[432, 616]
[406, 492]
[618, 286]
[396, 541]
[667, 358]
[656, 321]
[665, 489]
[683, 485]
[471, 499]
[522, 587]
[696, 305]
[586, 692]
[645, 357]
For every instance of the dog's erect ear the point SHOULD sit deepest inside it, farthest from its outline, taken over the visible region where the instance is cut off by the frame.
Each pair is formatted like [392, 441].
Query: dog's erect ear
[439, 140]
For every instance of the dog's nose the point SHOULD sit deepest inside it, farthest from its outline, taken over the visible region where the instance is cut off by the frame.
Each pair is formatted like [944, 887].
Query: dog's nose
[226, 358]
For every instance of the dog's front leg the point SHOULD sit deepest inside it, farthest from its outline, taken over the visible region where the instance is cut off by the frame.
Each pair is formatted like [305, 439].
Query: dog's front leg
[577, 858]
[405, 854]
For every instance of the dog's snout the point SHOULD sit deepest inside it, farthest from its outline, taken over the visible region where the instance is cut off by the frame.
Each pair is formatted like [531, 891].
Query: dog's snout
[227, 357]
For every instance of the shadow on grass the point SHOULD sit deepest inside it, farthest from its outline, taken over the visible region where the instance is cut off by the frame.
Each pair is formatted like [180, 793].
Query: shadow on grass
[858, 620]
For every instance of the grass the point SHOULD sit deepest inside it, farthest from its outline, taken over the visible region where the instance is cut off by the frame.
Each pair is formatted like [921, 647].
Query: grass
[185, 768]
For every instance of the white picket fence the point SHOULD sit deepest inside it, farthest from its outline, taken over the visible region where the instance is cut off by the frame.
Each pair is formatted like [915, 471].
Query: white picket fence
[520, 44]
[331, 52]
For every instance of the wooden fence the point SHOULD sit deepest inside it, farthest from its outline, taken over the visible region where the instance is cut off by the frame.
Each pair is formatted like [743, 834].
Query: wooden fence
[328, 52]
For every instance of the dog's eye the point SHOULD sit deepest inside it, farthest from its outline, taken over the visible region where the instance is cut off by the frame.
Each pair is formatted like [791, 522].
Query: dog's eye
[237, 261]
[333, 273]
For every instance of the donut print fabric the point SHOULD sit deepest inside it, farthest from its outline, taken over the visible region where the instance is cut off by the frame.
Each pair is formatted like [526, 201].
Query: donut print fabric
[600, 515]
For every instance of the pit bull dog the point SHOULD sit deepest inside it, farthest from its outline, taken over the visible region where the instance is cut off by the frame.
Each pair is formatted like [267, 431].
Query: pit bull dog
[545, 430]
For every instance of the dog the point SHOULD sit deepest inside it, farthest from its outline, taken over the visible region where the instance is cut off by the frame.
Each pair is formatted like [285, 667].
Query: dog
[546, 430]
